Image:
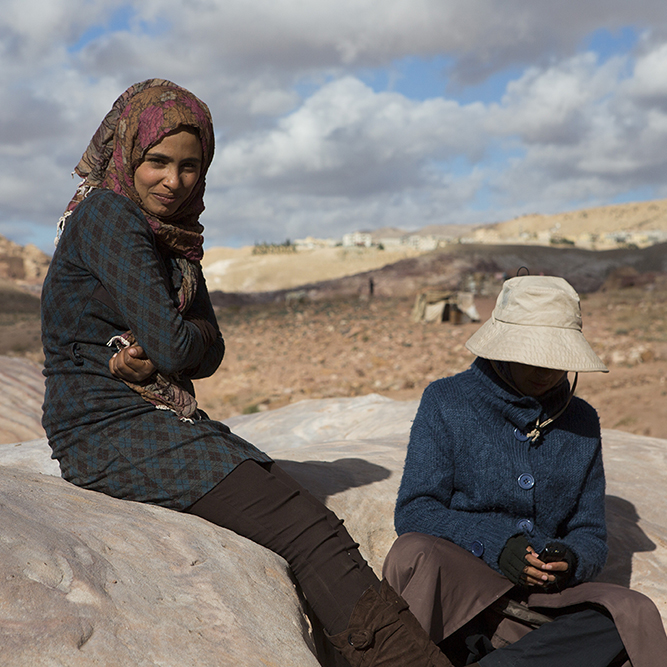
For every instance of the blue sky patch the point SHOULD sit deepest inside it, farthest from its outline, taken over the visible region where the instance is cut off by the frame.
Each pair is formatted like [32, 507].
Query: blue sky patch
[607, 43]
[119, 21]
[642, 193]
[427, 78]
[307, 86]
[415, 78]
[124, 19]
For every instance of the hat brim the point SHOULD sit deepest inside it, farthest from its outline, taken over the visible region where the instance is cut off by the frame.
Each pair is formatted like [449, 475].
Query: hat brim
[542, 346]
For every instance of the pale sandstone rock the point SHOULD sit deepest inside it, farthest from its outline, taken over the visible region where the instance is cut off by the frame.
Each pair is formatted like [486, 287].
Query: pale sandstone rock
[370, 468]
[90, 580]
[30, 456]
[323, 420]
[35, 262]
[21, 396]
[62, 546]
[636, 469]
[348, 452]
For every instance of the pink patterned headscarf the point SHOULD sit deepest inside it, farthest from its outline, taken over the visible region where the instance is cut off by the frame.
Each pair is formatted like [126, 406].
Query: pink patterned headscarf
[141, 117]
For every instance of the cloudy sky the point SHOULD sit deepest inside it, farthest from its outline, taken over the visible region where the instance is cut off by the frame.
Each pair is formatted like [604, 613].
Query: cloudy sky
[339, 115]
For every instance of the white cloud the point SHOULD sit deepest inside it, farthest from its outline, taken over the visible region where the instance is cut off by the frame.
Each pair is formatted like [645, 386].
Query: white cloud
[650, 76]
[252, 215]
[554, 104]
[487, 33]
[571, 127]
[587, 134]
[348, 139]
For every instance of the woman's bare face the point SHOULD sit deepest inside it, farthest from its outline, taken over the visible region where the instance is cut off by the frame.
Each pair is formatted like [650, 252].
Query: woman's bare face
[169, 172]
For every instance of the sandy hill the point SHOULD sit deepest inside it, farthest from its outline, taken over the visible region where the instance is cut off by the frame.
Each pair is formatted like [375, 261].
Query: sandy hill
[633, 217]
[636, 216]
[270, 278]
[238, 270]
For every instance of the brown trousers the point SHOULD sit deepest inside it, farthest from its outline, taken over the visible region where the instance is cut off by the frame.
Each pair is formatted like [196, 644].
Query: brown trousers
[266, 505]
[446, 587]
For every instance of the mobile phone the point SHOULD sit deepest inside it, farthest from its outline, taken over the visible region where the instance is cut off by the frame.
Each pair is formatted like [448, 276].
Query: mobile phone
[552, 553]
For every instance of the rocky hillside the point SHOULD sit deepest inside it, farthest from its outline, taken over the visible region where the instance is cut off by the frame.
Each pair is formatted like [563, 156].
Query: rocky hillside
[18, 262]
[467, 266]
[631, 222]
[20, 320]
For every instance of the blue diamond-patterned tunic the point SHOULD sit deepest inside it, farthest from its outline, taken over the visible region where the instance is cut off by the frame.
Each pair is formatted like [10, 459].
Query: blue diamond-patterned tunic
[105, 436]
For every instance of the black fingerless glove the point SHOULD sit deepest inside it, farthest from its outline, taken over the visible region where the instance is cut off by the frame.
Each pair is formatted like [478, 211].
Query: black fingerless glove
[512, 559]
[563, 579]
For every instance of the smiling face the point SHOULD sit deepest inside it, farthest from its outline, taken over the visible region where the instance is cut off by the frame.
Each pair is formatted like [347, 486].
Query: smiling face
[169, 172]
[533, 380]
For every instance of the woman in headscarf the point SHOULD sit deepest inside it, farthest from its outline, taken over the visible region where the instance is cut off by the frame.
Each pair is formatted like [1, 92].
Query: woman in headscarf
[500, 512]
[128, 324]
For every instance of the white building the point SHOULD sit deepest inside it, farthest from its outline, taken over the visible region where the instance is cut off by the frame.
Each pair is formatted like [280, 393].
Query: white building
[358, 239]
[423, 243]
[310, 242]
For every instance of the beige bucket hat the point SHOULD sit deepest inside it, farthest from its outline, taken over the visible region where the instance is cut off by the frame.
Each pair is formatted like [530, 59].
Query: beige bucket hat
[536, 321]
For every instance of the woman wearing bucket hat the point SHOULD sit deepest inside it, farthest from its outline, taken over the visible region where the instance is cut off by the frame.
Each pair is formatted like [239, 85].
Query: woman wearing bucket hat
[500, 512]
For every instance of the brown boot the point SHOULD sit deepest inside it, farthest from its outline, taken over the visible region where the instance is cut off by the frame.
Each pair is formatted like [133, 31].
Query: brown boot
[382, 632]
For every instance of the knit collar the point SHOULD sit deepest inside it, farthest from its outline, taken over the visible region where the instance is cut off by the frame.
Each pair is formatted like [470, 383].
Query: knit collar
[523, 412]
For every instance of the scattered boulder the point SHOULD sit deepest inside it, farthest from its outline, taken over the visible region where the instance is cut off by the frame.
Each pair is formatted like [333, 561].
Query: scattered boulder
[445, 306]
[630, 356]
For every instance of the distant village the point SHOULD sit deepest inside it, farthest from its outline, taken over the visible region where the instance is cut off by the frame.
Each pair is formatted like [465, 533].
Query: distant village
[488, 235]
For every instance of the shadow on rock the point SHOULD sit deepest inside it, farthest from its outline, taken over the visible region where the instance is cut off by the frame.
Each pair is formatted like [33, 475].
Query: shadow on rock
[625, 538]
[327, 478]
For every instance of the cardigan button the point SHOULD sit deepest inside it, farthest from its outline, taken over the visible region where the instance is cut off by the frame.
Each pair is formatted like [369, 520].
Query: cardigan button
[477, 548]
[526, 481]
[522, 437]
[525, 525]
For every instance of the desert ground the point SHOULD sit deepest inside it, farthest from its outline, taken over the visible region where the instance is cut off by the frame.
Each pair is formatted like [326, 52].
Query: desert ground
[279, 354]
[354, 344]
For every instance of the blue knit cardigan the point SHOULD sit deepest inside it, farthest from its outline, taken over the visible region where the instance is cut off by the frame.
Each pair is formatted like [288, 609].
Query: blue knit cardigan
[472, 478]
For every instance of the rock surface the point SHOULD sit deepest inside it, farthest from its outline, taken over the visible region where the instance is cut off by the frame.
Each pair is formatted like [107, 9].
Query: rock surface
[93, 580]
[90, 580]
[22, 262]
[21, 400]
[350, 453]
